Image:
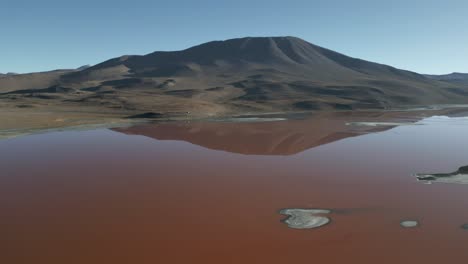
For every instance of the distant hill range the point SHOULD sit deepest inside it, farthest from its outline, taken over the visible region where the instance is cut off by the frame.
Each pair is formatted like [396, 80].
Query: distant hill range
[8, 73]
[456, 77]
[246, 75]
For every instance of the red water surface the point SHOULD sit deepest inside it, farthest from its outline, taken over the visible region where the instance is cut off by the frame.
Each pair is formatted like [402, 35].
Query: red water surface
[106, 196]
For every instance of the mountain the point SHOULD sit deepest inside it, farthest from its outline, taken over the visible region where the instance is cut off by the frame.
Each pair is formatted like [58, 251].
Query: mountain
[246, 75]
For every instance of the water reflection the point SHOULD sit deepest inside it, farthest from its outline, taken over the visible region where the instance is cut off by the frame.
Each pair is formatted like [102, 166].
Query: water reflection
[271, 138]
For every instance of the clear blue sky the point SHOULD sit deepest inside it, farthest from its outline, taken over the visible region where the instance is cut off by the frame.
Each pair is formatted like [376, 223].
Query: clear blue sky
[426, 36]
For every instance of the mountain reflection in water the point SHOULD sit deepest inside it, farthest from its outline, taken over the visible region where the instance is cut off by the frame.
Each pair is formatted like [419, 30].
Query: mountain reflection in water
[268, 138]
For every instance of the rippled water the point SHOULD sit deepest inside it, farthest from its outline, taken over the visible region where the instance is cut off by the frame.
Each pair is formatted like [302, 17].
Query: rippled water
[212, 192]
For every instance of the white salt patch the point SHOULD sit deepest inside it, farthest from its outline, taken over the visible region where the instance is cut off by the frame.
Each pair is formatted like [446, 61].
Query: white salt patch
[375, 124]
[305, 218]
[409, 224]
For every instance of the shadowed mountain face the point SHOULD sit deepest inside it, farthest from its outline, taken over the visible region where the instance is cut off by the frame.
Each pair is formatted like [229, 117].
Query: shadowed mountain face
[295, 55]
[240, 76]
[268, 138]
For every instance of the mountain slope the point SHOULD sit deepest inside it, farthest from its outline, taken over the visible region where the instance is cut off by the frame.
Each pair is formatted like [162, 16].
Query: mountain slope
[264, 74]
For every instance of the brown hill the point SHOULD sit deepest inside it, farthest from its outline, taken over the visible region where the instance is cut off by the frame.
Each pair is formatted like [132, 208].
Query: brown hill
[13, 82]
